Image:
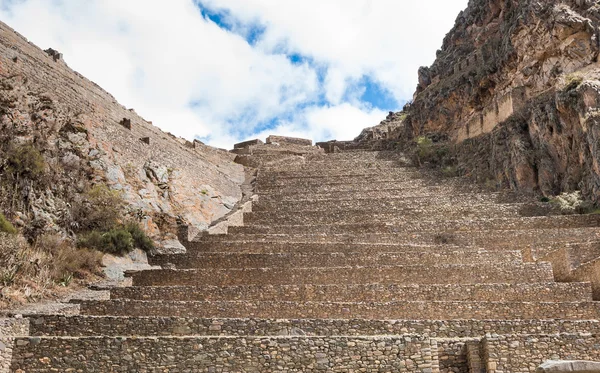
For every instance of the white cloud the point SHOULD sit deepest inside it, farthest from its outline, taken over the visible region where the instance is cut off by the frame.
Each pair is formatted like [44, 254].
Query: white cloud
[338, 122]
[385, 39]
[160, 57]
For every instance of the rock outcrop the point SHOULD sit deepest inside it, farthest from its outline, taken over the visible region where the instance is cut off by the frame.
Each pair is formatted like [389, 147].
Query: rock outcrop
[85, 136]
[515, 90]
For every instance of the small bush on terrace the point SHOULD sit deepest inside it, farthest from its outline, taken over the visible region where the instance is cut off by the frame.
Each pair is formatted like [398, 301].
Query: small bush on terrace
[140, 239]
[119, 240]
[435, 154]
[425, 149]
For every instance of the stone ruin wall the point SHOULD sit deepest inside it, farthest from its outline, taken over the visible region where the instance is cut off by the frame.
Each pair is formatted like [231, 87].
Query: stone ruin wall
[158, 174]
[441, 329]
[524, 353]
[340, 354]
[501, 108]
[10, 329]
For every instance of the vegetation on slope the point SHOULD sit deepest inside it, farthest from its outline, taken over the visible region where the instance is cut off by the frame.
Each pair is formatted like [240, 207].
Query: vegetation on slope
[36, 260]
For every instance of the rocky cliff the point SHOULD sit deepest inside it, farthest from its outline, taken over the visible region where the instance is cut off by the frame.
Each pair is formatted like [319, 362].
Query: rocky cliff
[514, 92]
[86, 138]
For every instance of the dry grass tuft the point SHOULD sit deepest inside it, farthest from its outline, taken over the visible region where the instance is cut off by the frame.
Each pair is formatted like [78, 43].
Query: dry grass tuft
[29, 273]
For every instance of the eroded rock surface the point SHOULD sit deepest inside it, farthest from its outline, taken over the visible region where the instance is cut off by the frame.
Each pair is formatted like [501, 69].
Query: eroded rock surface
[88, 137]
[516, 88]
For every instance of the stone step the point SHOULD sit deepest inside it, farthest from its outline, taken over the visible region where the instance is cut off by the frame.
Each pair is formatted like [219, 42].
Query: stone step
[325, 165]
[81, 326]
[408, 310]
[274, 247]
[269, 247]
[392, 191]
[543, 292]
[413, 188]
[222, 354]
[416, 274]
[576, 254]
[312, 182]
[305, 260]
[321, 173]
[386, 215]
[380, 155]
[574, 221]
[399, 200]
[515, 239]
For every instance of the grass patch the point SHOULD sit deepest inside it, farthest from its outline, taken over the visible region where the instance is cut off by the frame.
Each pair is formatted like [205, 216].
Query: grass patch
[573, 81]
[6, 226]
[30, 272]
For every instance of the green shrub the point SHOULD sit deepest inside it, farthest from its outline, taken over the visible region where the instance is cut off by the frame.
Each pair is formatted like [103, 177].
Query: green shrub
[26, 161]
[425, 149]
[6, 226]
[99, 208]
[115, 241]
[119, 240]
[140, 239]
[436, 154]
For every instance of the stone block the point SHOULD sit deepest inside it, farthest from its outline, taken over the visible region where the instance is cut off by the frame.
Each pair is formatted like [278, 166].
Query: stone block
[288, 140]
[248, 143]
[577, 366]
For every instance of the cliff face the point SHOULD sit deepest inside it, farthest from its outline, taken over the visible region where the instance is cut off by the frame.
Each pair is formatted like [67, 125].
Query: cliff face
[87, 138]
[515, 91]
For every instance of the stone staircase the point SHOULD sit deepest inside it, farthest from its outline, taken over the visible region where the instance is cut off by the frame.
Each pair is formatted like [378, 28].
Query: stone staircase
[348, 262]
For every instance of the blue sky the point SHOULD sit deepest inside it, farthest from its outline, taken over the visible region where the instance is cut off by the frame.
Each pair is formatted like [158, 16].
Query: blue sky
[228, 70]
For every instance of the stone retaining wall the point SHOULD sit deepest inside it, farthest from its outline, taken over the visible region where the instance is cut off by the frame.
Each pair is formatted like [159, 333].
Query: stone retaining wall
[391, 215]
[452, 355]
[163, 326]
[291, 260]
[9, 330]
[247, 354]
[365, 293]
[439, 274]
[407, 225]
[589, 272]
[389, 310]
[524, 353]
[488, 239]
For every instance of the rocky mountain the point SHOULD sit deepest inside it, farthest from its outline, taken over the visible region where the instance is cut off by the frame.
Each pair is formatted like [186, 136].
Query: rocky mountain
[514, 93]
[82, 137]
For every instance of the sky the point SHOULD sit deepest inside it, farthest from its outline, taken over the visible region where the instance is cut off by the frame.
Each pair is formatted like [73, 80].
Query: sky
[224, 71]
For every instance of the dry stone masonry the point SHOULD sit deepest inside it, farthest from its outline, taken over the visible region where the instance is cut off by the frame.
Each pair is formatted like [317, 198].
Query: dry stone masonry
[349, 261]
